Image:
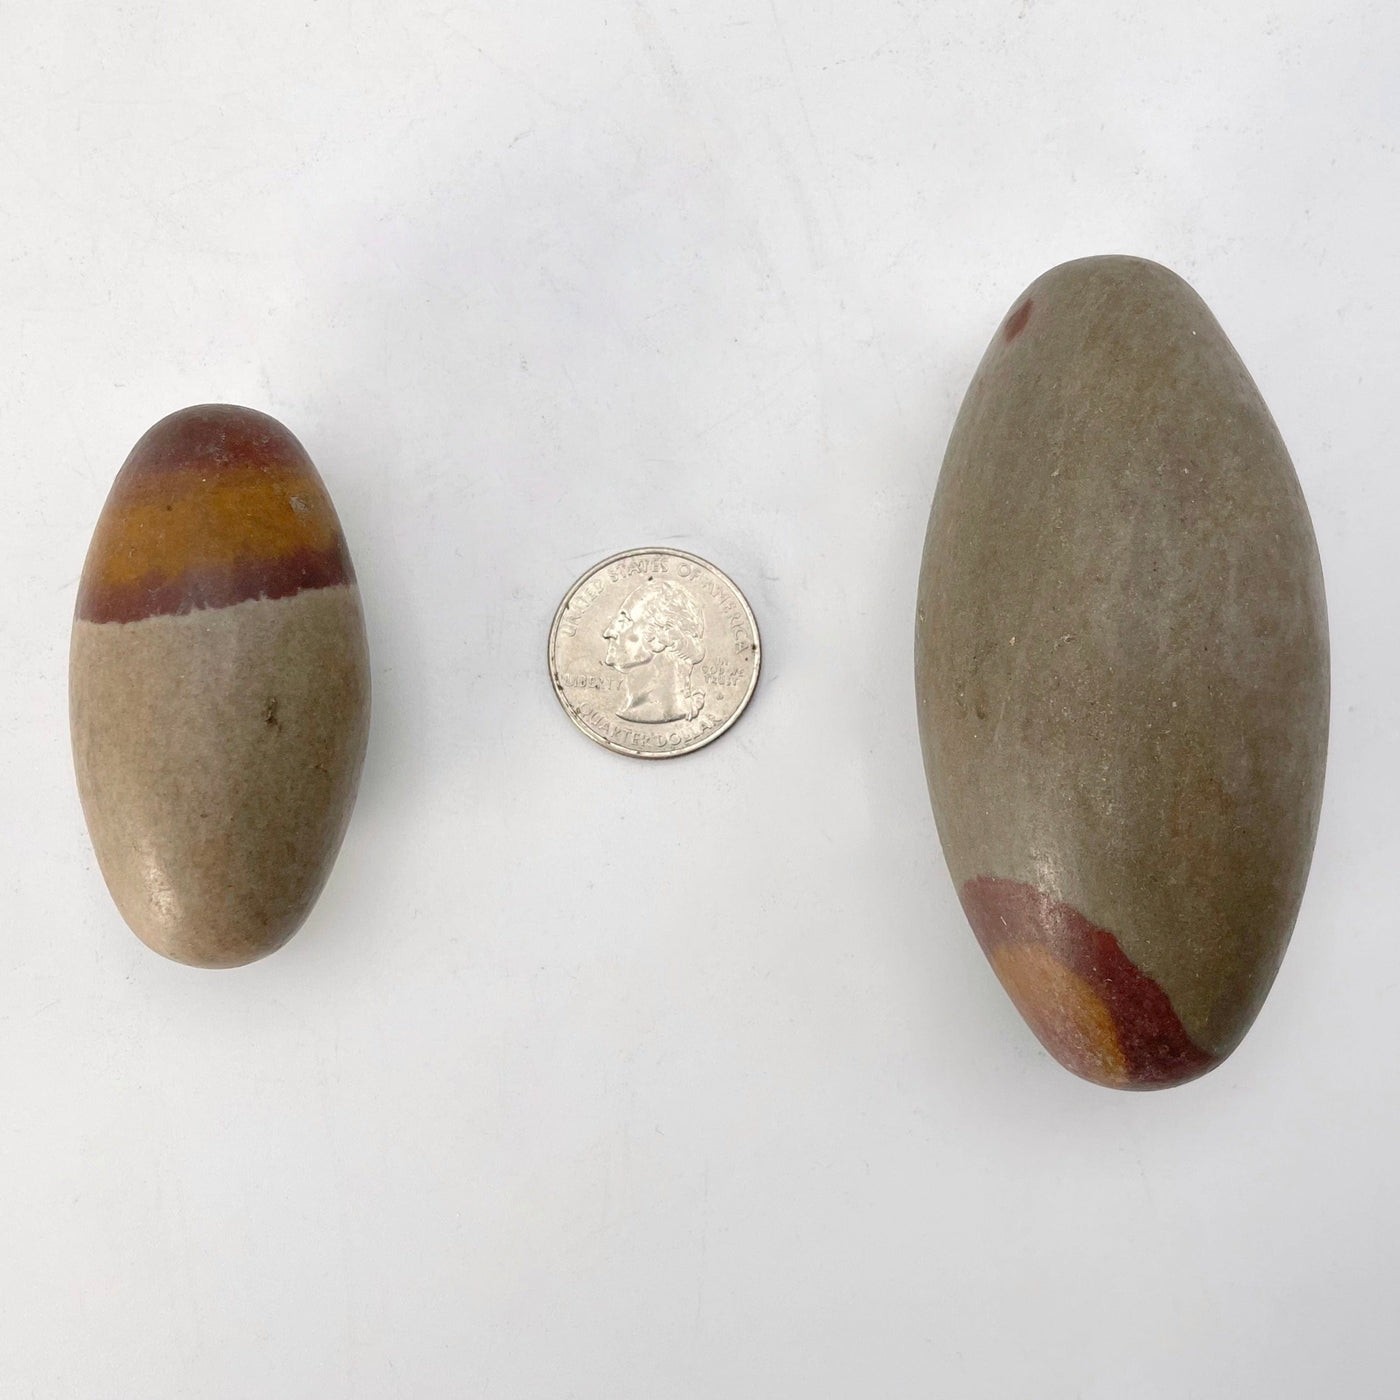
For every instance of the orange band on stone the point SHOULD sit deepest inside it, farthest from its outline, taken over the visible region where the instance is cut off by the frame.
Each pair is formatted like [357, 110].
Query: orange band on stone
[215, 505]
[170, 523]
[1063, 1010]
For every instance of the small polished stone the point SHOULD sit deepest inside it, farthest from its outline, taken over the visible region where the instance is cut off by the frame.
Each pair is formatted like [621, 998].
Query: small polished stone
[219, 686]
[1122, 674]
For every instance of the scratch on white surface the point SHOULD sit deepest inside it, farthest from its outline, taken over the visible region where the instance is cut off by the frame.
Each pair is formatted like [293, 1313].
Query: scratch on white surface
[704, 1249]
[796, 83]
[832, 201]
[755, 402]
[499, 67]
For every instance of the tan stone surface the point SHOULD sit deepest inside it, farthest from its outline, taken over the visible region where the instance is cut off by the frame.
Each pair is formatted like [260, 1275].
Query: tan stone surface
[218, 754]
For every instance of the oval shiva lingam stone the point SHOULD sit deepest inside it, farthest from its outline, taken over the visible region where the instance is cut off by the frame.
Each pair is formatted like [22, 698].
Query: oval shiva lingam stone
[219, 686]
[1122, 674]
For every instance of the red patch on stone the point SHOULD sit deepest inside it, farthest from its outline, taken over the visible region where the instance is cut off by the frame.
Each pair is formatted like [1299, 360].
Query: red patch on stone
[1016, 322]
[215, 586]
[208, 437]
[1157, 1050]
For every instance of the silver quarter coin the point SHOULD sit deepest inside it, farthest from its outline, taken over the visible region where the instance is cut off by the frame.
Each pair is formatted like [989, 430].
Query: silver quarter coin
[653, 653]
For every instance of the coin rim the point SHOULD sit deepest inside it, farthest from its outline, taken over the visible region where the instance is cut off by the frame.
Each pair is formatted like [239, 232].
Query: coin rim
[554, 633]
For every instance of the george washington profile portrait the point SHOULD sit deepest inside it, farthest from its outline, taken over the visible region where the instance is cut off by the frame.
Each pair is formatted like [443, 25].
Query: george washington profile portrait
[655, 642]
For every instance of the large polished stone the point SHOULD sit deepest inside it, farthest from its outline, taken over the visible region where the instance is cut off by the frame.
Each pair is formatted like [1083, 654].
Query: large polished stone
[219, 686]
[1122, 674]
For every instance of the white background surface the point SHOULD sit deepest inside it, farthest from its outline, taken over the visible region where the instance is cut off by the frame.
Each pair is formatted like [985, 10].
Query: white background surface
[596, 1079]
